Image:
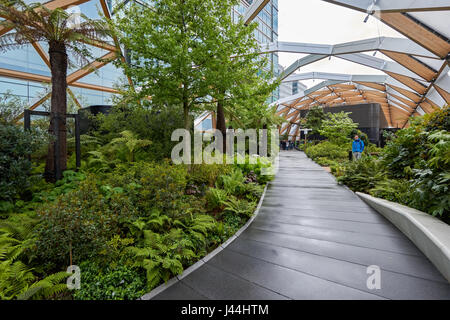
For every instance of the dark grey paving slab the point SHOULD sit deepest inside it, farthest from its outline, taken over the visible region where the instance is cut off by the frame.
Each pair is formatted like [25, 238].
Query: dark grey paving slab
[352, 275]
[313, 239]
[370, 217]
[216, 284]
[286, 281]
[417, 266]
[180, 291]
[358, 239]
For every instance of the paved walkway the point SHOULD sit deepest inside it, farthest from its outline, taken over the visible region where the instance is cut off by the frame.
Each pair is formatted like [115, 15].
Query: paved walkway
[313, 239]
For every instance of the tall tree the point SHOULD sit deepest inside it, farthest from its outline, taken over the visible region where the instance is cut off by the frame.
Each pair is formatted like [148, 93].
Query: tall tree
[239, 75]
[166, 52]
[314, 119]
[34, 22]
[190, 53]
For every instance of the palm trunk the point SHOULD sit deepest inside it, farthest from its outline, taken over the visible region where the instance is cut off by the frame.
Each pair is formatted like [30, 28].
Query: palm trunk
[58, 65]
[220, 124]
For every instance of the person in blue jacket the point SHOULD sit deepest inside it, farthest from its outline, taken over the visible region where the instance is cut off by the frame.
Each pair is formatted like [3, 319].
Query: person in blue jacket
[357, 148]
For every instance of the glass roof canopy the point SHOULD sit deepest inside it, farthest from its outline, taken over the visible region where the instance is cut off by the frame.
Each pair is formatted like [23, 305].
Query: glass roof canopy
[414, 80]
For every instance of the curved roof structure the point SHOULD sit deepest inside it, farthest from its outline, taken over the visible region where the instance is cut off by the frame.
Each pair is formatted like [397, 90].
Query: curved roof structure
[416, 79]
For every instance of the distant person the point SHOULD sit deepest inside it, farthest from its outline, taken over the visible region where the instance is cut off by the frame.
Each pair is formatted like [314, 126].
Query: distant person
[287, 145]
[357, 148]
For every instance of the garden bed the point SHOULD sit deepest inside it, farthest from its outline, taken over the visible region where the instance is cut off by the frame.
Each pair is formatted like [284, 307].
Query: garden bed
[206, 258]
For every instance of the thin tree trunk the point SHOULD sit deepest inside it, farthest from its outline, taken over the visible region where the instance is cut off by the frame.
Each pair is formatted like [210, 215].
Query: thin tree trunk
[187, 121]
[220, 124]
[58, 66]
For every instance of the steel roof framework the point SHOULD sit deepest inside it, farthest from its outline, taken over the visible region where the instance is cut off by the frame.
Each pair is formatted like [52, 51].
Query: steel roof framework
[416, 81]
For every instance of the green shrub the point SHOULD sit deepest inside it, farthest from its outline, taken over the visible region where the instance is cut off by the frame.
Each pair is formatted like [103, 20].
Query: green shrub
[233, 183]
[314, 119]
[402, 153]
[337, 127]
[120, 282]
[431, 186]
[215, 198]
[240, 207]
[396, 190]
[207, 174]
[328, 153]
[151, 185]
[17, 279]
[253, 191]
[82, 220]
[16, 146]
[362, 175]
[154, 125]
[260, 164]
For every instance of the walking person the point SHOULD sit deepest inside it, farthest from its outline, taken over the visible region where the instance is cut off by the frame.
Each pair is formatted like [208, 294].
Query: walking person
[357, 148]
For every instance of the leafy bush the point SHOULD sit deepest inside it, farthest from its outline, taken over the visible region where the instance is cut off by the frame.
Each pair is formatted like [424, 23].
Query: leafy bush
[151, 185]
[337, 127]
[239, 207]
[253, 191]
[16, 147]
[81, 221]
[207, 174]
[215, 198]
[233, 184]
[402, 153]
[314, 119]
[130, 143]
[257, 168]
[396, 190]
[431, 186]
[327, 153]
[147, 124]
[362, 175]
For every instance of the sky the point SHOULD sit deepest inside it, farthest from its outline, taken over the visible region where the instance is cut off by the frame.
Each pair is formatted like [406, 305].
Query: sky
[317, 21]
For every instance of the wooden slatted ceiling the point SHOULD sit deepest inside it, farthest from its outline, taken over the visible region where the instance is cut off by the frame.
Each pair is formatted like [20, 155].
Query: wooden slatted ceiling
[343, 86]
[301, 103]
[432, 104]
[417, 33]
[412, 64]
[404, 100]
[282, 110]
[405, 107]
[411, 95]
[375, 93]
[407, 81]
[426, 107]
[376, 86]
[444, 94]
